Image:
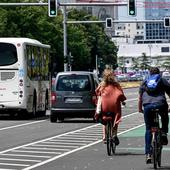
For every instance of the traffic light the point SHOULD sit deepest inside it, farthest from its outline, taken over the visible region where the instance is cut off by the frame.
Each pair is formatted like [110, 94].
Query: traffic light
[131, 7]
[167, 22]
[109, 23]
[52, 8]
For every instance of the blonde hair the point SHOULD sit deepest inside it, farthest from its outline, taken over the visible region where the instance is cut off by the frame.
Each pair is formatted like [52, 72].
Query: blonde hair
[108, 77]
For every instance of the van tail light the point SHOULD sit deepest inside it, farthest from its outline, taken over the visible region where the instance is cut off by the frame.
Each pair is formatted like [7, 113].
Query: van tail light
[53, 81]
[94, 99]
[53, 97]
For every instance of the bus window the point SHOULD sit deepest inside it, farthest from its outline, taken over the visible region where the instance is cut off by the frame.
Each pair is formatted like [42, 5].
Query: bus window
[8, 54]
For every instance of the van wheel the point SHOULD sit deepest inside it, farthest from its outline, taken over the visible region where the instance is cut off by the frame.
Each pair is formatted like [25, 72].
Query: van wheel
[53, 118]
[61, 118]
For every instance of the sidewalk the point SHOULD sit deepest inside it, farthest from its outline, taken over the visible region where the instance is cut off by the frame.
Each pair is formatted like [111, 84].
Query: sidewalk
[130, 84]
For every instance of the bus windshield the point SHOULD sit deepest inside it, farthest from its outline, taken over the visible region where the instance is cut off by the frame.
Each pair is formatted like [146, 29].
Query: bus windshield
[8, 54]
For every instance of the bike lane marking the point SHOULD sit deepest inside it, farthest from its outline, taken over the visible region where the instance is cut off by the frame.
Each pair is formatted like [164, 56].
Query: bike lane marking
[136, 133]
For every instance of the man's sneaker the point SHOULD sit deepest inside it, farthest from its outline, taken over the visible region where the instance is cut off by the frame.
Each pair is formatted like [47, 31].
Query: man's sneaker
[148, 159]
[164, 139]
[116, 140]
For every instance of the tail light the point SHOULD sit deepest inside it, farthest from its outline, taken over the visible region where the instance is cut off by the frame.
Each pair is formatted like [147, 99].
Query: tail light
[94, 99]
[53, 97]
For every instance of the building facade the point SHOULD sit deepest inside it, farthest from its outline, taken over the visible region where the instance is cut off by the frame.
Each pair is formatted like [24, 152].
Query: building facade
[159, 10]
[155, 54]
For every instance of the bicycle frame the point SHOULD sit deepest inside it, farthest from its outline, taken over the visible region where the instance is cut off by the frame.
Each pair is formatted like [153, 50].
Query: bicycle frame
[156, 140]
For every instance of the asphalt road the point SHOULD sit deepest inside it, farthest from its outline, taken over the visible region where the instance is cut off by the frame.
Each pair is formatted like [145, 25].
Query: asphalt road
[74, 144]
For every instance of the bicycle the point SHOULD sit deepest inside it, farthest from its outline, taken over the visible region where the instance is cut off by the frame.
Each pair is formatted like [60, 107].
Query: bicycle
[110, 140]
[156, 140]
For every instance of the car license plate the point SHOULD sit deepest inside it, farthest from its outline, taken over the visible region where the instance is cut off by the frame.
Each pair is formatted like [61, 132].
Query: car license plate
[73, 100]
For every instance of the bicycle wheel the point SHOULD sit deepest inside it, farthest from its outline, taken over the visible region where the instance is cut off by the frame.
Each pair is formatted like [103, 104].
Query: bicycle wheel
[159, 156]
[113, 146]
[155, 156]
[159, 149]
[109, 137]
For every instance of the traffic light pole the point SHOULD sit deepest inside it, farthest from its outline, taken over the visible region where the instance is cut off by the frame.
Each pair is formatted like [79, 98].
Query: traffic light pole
[65, 38]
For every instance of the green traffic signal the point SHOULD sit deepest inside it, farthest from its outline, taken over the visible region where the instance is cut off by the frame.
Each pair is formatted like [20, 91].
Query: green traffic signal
[132, 7]
[52, 8]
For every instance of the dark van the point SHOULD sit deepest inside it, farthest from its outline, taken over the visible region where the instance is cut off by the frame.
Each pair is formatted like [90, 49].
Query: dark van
[73, 95]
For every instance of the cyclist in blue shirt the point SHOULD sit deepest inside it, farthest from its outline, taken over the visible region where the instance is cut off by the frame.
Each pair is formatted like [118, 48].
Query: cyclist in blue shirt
[148, 101]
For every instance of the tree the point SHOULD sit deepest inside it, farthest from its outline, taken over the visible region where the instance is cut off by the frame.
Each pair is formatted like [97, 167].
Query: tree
[166, 65]
[145, 63]
[121, 63]
[135, 64]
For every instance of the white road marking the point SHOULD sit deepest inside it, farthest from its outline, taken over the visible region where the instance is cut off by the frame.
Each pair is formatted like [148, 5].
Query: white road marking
[21, 155]
[25, 124]
[25, 160]
[13, 164]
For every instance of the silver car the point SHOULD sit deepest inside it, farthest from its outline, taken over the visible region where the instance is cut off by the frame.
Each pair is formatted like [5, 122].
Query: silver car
[73, 95]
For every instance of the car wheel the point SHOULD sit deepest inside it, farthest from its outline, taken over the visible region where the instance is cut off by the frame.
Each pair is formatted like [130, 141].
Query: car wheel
[61, 118]
[53, 118]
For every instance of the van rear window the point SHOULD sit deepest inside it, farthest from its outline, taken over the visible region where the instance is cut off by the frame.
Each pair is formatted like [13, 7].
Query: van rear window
[73, 83]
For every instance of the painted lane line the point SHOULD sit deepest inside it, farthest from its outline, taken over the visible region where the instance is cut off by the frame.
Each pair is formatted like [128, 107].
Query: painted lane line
[22, 155]
[35, 152]
[67, 140]
[25, 124]
[53, 149]
[70, 143]
[52, 146]
[25, 160]
[7, 169]
[14, 164]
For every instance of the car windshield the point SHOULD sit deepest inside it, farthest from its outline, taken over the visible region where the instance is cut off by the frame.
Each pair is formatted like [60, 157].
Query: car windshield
[8, 54]
[73, 82]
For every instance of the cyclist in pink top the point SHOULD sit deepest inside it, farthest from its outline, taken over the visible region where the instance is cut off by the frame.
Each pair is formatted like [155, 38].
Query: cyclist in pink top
[112, 96]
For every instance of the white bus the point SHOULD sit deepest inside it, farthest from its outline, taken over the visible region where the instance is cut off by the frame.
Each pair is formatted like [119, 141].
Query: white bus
[24, 76]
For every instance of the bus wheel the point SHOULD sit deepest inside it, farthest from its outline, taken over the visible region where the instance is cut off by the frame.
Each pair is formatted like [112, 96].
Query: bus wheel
[34, 109]
[46, 104]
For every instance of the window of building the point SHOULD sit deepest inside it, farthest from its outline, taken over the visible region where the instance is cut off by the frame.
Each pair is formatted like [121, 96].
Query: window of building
[165, 49]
